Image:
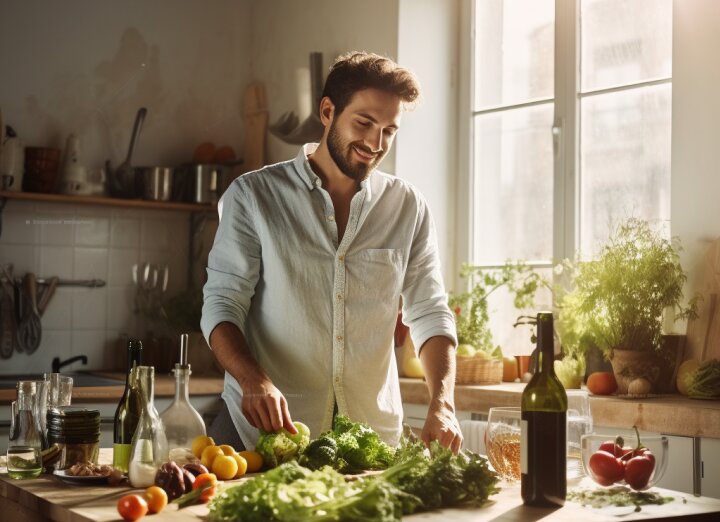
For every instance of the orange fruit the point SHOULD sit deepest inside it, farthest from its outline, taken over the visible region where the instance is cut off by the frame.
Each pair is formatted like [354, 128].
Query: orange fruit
[132, 507]
[209, 455]
[254, 460]
[225, 467]
[199, 443]
[227, 449]
[204, 153]
[601, 383]
[156, 499]
[242, 465]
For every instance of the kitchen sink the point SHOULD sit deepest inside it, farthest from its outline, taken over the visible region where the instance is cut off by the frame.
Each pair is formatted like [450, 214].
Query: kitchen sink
[80, 380]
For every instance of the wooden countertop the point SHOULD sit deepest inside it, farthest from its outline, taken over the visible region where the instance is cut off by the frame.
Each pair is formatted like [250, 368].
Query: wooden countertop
[48, 498]
[164, 387]
[668, 414]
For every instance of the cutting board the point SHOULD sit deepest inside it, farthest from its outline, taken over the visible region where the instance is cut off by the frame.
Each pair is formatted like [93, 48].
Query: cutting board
[255, 116]
[703, 333]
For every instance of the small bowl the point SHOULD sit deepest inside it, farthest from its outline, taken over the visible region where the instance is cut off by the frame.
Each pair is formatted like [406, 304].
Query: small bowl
[658, 445]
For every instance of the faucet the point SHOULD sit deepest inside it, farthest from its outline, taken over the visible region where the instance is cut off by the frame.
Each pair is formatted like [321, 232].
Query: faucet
[57, 363]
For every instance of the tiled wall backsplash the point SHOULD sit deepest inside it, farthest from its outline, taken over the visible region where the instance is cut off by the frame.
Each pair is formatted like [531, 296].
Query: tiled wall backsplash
[89, 242]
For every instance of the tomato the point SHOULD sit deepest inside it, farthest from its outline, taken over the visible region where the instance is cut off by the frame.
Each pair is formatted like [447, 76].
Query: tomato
[202, 479]
[601, 383]
[614, 447]
[132, 507]
[605, 468]
[156, 498]
[639, 469]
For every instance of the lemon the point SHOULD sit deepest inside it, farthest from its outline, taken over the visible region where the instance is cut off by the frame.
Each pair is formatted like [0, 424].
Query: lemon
[242, 465]
[254, 460]
[224, 466]
[209, 454]
[199, 443]
[227, 449]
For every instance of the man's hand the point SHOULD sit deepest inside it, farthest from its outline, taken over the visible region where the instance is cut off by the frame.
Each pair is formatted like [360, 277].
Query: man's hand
[265, 407]
[442, 425]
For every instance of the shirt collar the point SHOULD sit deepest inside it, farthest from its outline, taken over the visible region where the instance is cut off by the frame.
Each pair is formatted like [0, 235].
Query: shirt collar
[305, 171]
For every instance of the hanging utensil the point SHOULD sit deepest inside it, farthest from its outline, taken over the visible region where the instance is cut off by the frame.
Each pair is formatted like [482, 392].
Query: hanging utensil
[122, 181]
[8, 324]
[29, 333]
[47, 294]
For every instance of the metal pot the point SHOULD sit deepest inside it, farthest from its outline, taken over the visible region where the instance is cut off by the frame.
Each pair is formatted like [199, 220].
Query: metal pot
[202, 183]
[156, 182]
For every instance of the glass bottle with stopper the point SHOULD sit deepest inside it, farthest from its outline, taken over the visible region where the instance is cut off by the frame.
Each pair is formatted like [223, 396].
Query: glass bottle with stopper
[182, 422]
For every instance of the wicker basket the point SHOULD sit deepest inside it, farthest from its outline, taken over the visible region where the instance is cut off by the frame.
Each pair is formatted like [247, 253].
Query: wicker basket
[476, 370]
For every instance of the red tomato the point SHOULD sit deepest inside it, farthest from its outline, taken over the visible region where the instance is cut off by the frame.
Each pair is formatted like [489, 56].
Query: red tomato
[605, 468]
[639, 469]
[132, 507]
[601, 383]
[612, 447]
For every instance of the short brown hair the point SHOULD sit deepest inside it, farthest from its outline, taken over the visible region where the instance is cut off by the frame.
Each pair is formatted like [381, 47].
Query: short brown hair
[359, 70]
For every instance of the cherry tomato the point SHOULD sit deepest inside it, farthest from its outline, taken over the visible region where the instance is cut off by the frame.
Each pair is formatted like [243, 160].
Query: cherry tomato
[202, 479]
[605, 468]
[132, 507]
[639, 469]
[156, 498]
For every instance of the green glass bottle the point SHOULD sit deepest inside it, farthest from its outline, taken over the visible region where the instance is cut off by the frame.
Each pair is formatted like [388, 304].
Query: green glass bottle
[543, 451]
[128, 410]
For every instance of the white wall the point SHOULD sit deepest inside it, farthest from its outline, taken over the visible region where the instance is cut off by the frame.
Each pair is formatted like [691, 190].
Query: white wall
[427, 152]
[86, 66]
[695, 210]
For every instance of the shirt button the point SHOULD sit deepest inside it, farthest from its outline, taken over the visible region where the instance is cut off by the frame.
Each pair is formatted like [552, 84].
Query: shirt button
[317, 182]
[339, 296]
[337, 380]
[339, 338]
[331, 218]
[341, 258]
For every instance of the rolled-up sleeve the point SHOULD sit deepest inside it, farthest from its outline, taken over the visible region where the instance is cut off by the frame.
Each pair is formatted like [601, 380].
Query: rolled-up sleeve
[234, 263]
[425, 308]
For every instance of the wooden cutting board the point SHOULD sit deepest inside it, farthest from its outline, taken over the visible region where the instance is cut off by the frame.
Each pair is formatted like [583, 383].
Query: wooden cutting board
[255, 115]
[703, 333]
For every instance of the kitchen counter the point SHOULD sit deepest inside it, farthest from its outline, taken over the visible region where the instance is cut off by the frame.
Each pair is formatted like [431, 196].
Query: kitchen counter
[48, 498]
[669, 414]
[164, 387]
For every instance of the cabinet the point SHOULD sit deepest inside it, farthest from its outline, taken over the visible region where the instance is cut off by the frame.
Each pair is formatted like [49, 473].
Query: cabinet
[710, 467]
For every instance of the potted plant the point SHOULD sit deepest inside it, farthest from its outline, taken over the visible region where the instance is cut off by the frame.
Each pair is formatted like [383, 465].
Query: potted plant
[620, 298]
[479, 358]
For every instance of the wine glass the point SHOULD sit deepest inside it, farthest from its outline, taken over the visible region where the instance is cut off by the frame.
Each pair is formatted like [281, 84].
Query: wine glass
[502, 441]
[579, 423]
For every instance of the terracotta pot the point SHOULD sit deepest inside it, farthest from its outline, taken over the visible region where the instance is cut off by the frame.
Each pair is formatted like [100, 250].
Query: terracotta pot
[629, 365]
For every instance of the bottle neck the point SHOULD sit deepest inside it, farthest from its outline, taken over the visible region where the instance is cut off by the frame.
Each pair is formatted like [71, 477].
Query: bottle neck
[134, 358]
[182, 384]
[545, 344]
[145, 381]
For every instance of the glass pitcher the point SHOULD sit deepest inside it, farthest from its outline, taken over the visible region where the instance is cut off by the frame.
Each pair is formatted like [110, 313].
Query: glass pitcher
[24, 458]
[149, 444]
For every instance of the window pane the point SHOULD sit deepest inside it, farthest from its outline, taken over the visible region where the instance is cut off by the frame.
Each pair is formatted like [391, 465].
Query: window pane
[624, 160]
[513, 203]
[514, 51]
[624, 41]
[503, 314]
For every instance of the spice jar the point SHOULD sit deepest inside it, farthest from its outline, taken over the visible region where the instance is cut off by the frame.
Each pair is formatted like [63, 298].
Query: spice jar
[76, 432]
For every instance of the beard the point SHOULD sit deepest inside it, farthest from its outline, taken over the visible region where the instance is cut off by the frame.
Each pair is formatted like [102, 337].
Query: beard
[341, 153]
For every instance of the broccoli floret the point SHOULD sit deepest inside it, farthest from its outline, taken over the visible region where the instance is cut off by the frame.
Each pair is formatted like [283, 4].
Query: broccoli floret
[281, 446]
[320, 452]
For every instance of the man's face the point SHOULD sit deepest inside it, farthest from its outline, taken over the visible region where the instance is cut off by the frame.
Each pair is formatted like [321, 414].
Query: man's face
[362, 134]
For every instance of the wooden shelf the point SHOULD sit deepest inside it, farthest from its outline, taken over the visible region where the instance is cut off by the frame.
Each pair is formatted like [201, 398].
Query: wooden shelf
[107, 201]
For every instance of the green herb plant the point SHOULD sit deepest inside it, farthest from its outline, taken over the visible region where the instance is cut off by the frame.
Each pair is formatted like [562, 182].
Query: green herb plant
[471, 307]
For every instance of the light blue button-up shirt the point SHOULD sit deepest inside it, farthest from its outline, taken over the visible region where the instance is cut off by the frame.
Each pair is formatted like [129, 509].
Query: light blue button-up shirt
[319, 315]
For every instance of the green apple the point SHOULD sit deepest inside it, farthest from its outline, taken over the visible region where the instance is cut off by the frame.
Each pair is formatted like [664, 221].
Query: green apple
[465, 350]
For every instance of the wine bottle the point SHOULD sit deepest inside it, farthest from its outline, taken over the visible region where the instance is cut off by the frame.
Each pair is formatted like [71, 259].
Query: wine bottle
[127, 413]
[543, 452]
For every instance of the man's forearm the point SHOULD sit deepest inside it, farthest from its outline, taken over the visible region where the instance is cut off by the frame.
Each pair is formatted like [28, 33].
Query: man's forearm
[437, 355]
[229, 346]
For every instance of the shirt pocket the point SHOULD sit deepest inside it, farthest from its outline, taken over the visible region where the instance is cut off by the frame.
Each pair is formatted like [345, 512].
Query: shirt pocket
[381, 271]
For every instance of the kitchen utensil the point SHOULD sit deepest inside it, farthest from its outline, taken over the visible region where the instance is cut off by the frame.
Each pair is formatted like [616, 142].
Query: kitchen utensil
[122, 181]
[157, 182]
[8, 323]
[41, 169]
[311, 129]
[256, 117]
[29, 333]
[47, 294]
[703, 332]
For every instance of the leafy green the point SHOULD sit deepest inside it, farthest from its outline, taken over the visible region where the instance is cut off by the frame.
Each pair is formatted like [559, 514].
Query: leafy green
[417, 482]
[705, 382]
[349, 446]
[616, 496]
[282, 446]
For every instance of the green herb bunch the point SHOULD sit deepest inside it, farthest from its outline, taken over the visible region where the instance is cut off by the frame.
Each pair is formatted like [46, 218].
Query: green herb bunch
[622, 294]
[471, 307]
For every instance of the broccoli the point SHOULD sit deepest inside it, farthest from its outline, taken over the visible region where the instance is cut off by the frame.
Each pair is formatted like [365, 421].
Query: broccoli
[320, 452]
[282, 446]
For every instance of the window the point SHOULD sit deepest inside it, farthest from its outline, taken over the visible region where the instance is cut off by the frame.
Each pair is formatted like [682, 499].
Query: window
[571, 106]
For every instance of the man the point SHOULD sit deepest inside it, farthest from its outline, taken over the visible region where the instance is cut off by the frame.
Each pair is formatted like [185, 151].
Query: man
[309, 263]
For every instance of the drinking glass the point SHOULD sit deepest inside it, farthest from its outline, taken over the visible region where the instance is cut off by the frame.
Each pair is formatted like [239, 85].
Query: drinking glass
[59, 389]
[579, 423]
[502, 441]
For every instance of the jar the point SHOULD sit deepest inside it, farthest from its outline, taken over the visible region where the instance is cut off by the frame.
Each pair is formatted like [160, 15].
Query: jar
[76, 432]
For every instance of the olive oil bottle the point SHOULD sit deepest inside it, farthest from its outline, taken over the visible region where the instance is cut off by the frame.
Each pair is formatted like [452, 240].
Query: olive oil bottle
[127, 413]
[543, 444]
